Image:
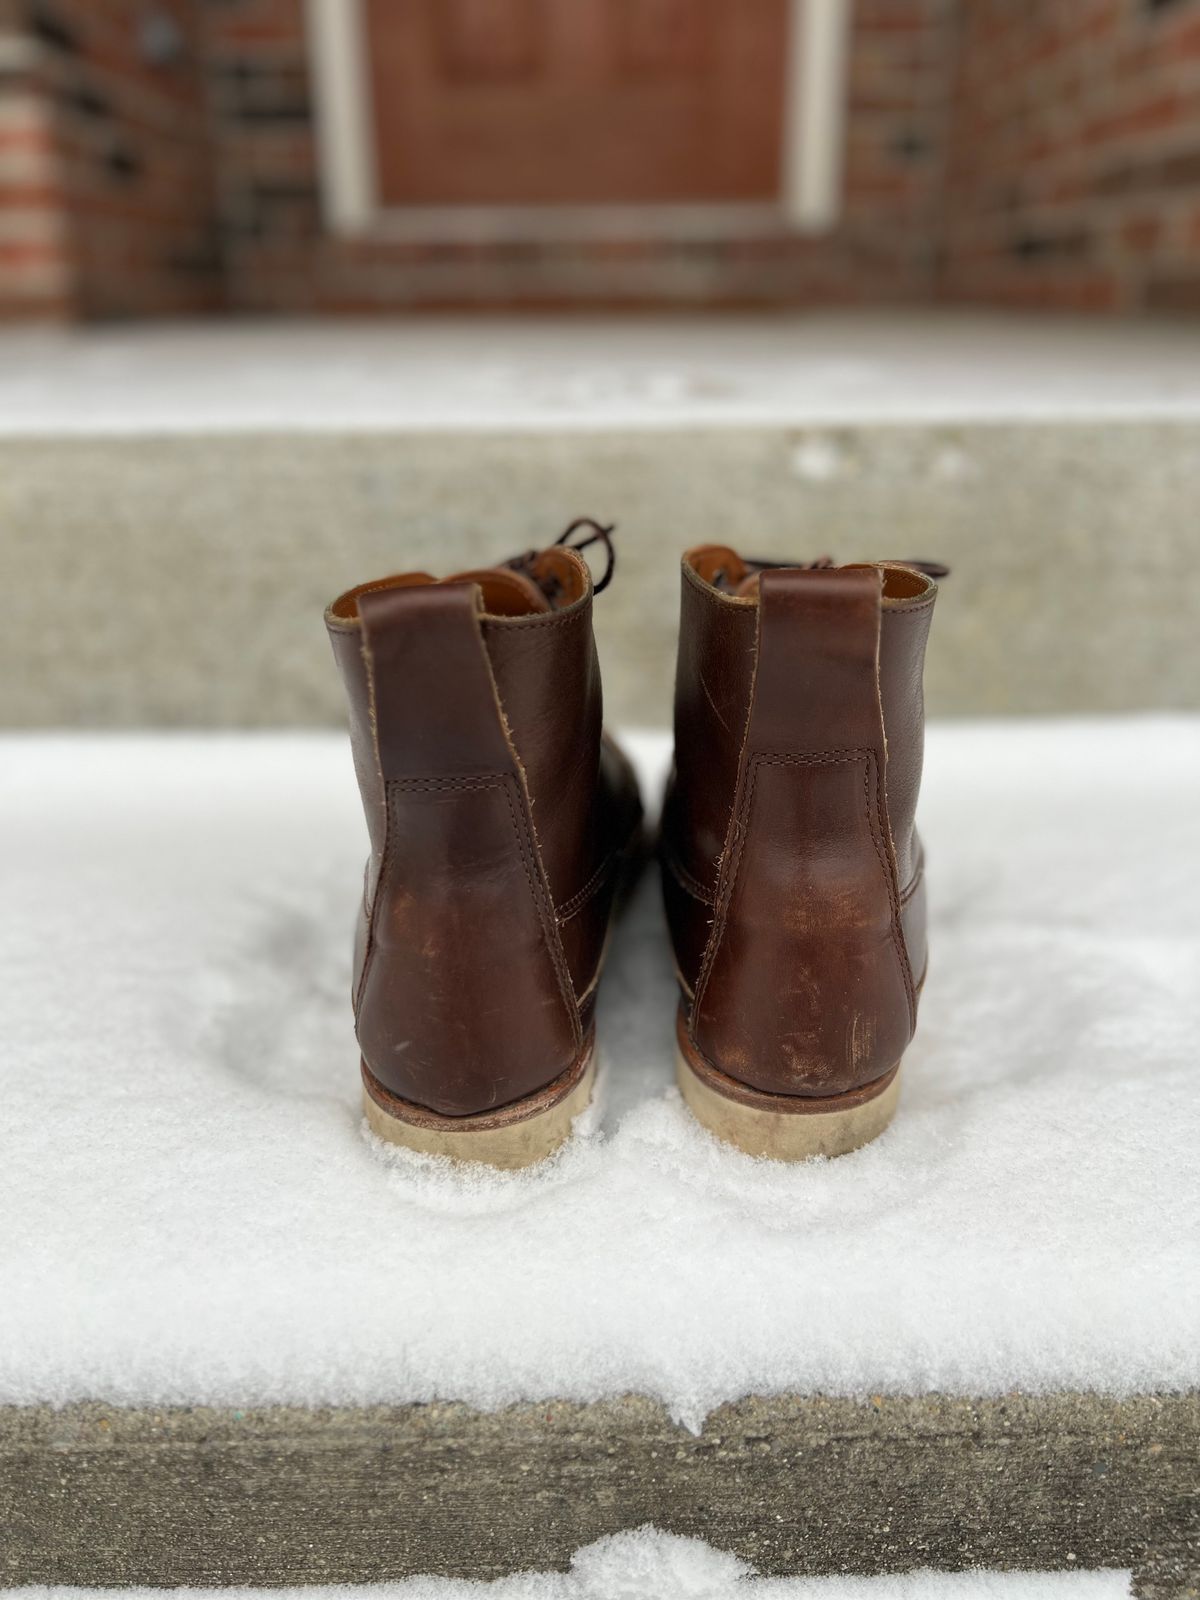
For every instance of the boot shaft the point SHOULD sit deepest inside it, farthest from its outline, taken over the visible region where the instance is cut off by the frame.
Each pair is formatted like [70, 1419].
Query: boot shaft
[792, 867]
[475, 714]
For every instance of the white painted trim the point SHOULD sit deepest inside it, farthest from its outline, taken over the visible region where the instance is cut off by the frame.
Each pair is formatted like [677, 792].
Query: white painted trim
[815, 112]
[345, 138]
[814, 128]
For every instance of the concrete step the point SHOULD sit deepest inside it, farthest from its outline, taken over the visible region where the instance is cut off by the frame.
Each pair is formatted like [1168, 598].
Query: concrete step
[93, 1495]
[176, 505]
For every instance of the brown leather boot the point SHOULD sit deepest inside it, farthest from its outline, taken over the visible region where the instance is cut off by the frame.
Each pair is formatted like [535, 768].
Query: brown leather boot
[500, 821]
[792, 871]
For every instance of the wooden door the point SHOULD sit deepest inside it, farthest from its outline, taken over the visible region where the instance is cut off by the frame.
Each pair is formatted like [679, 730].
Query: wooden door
[576, 102]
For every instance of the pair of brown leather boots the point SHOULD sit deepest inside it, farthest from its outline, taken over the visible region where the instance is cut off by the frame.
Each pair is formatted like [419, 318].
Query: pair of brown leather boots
[503, 823]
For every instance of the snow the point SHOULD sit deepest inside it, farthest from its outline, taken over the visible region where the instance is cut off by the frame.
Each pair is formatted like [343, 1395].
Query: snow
[193, 1213]
[645, 1561]
[582, 372]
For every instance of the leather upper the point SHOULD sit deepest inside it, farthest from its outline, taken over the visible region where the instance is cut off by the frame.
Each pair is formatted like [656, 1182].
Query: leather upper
[793, 874]
[498, 817]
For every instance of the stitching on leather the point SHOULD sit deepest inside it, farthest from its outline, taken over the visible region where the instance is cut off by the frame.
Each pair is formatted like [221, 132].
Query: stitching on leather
[577, 612]
[739, 812]
[725, 899]
[354, 624]
[392, 787]
[375, 588]
[591, 888]
[503, 782]
[723, 602]
[385, 861]
[526, 829]
[528, 639]
[725, 894]
[793, 758]
[539, 621]
[542, 904]
[417, 785]
[875, 823]
[919, 610]
[907, 894]
[686, 882]
[617, 857]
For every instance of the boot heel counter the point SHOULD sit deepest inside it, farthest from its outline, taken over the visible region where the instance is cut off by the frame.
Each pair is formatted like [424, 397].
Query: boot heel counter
[806, 987]
[462, 1006]
[464, 1001]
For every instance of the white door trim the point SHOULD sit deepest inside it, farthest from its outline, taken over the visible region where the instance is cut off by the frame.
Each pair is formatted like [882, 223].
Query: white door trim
[337, 59]
[811, 188]
[815, 112]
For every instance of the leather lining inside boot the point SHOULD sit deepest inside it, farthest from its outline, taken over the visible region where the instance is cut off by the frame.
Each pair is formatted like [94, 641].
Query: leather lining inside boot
[737, 576]
[555, 579]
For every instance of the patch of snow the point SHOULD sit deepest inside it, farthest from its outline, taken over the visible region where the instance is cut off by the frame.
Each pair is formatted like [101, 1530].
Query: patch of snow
[193, 1213]
[646, 1562]
[586, 372]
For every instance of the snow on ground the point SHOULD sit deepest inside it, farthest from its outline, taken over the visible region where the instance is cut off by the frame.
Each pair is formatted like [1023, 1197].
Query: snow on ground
[578, 372]
[192, 1212]
[646, 1562]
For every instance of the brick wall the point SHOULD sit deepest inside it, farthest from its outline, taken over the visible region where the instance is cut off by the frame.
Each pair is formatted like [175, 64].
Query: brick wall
[277, 257]
[159, 156]
[112, 114]
[1073, 157]
[265, 159]
[35, 251]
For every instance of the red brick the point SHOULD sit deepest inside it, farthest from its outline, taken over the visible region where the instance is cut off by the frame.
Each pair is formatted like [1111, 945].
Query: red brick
[1140, 234]
[999, 126]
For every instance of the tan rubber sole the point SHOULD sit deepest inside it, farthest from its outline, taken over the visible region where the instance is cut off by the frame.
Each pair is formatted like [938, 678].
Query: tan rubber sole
[516, 1136]
[786, 1128]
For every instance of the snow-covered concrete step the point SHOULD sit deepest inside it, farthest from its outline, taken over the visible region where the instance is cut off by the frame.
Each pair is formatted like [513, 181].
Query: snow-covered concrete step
[176, 505]
[644, 1562]
[193, 1217]
[551, 374]
[647, 1564]
[1061, 1486]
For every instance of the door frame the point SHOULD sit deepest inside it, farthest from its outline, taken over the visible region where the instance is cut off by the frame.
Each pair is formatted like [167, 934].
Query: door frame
[810, 194]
